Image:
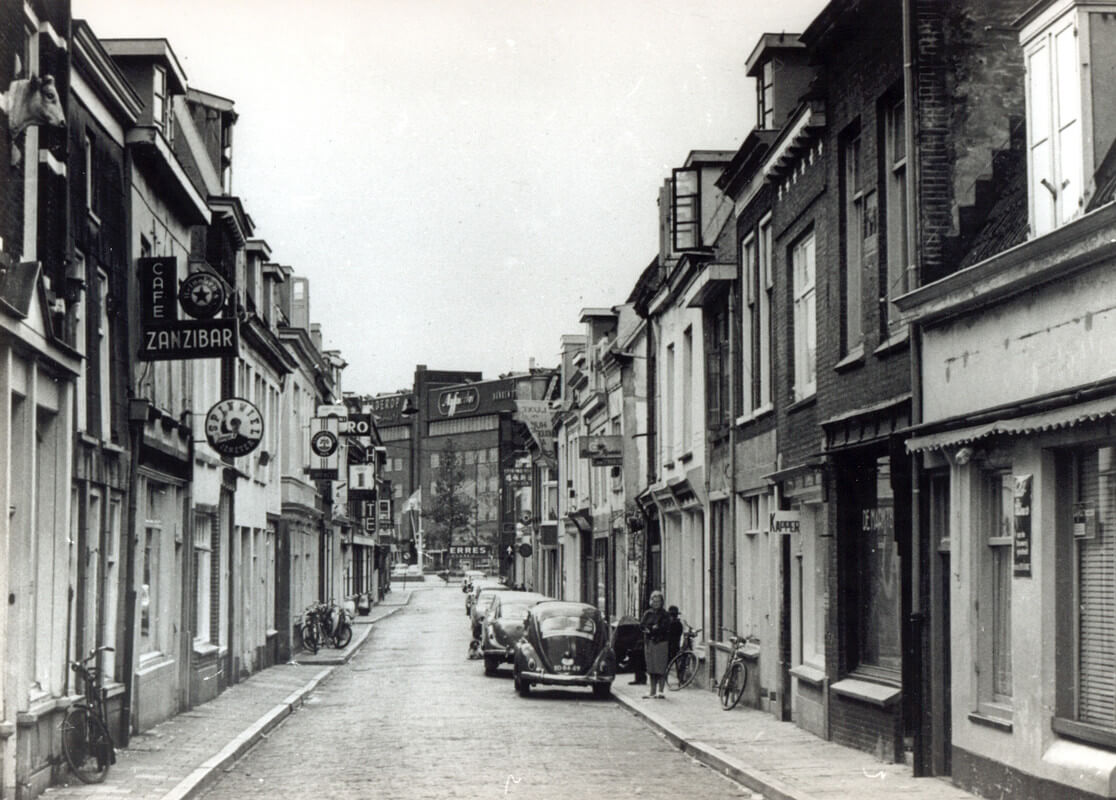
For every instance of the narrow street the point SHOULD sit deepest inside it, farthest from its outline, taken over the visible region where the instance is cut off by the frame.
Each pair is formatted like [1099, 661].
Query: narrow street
[410, 717]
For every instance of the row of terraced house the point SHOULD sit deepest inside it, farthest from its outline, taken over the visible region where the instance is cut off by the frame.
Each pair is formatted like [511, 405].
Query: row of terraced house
[126, 526]
[861, 404]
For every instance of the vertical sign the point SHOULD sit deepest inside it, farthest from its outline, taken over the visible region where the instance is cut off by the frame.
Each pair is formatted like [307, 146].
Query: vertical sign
[158, 280]
[1022, 525]
[324, 448]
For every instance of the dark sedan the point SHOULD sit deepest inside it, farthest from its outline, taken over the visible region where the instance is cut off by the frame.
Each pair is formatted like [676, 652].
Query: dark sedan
[564, 644]
[502, 626]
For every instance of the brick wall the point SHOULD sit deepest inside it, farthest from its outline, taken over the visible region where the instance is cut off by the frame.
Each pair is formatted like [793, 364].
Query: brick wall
[799, 208]
[867, 727]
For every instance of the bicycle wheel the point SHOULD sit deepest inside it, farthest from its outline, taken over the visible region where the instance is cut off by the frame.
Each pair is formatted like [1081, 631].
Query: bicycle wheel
[733, 688]
[87, 745]
[343, 636]
[682, 670]
[310, 638]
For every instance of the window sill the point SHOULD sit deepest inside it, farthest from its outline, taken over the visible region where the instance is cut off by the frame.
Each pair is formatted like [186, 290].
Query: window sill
[897, 339]
[805, 402]
[205, 648]
[876, 694]
[1083, 732]
[989, 720]
[810, 675]
[759, 413]
[855, 358]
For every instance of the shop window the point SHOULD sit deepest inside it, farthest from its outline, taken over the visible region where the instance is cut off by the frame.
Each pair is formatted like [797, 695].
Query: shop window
[1086, 563]
[875, 578]
[994, 536]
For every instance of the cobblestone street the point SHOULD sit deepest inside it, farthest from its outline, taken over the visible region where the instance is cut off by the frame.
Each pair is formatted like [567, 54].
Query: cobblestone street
[410, 717]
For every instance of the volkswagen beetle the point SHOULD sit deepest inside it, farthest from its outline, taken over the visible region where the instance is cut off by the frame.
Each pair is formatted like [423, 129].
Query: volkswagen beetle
[564, 644]
[502, 626]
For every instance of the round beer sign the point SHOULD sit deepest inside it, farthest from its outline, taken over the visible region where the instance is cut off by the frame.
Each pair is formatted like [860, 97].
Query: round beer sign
[234, 427]
[323, 443]
[201, 295]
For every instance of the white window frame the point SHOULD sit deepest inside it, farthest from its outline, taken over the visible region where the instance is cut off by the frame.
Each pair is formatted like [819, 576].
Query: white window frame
[204, 525]
[159, 96]
[1055, 146]
[994, 517]
[104, 345]
[895, 153]
[803, 266]
[853, 192]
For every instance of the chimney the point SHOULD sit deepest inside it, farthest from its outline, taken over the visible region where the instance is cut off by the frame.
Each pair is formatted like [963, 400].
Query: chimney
[316, 335]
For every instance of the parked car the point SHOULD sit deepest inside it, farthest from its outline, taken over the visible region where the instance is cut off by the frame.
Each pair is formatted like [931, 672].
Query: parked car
[478, 585]
[481, 604]
[564, 644]
[502, 626]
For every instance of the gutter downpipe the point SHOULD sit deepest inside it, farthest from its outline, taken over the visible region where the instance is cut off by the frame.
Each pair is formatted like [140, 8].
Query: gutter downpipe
[917, 622]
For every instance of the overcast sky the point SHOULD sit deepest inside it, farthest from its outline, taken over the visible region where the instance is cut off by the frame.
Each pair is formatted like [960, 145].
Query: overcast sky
[459, 178]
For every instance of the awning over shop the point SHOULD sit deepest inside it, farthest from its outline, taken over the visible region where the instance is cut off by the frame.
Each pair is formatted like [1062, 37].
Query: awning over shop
[1053, 419]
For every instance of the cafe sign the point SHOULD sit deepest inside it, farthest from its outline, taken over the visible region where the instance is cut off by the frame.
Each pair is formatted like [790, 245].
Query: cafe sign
[165, 337]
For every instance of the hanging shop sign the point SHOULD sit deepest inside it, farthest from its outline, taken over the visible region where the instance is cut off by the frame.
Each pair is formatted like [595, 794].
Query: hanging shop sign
[785, 522]
[165, 337]
[234, 427]
[517, 477]
[324, 448]
[201, 295]
[356, 425]
[603, 451]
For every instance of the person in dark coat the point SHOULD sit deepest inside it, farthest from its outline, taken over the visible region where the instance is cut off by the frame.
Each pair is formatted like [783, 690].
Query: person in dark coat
[674, 634]
[655, 624]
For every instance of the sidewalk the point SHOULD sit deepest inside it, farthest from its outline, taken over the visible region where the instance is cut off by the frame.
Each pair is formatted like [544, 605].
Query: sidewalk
[180, 757]
[777, 759]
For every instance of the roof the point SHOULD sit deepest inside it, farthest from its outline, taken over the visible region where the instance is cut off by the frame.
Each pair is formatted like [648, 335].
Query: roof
[1006, 224]
[770, 43]
[155, 49]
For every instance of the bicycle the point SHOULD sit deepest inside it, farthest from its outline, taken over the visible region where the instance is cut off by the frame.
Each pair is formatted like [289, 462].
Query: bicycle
[735, 677]
[86, 742]
[326, 623]
[683, 668]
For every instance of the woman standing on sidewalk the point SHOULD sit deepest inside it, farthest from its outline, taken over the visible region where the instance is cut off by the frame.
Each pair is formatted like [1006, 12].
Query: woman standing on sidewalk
[655, 625]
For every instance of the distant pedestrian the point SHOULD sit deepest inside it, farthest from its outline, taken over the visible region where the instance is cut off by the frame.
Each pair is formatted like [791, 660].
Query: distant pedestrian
[655, 625]
[674, 634]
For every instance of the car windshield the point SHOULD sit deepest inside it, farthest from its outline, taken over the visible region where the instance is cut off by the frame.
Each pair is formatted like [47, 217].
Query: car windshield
[567, 625]
[514, 610]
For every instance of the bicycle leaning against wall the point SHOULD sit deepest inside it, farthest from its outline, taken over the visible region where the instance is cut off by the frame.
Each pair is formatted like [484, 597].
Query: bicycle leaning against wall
[683, 668]
[735, 677]
[86, 742]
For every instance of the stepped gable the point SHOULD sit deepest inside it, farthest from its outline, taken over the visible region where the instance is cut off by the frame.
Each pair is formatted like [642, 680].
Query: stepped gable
[997, 219]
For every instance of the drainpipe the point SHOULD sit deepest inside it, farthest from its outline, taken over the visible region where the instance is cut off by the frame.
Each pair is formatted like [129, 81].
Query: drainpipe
[917, 628]
[137, 418]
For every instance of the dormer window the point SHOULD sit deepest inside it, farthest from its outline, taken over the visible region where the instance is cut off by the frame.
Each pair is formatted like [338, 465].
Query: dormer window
[765, 97]
[159, 97]
[1067, 50]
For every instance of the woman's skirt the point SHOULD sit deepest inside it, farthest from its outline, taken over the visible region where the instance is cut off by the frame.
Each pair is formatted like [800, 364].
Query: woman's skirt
[655, 654]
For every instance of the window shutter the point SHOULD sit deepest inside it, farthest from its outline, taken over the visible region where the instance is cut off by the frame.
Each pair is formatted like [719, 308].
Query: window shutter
[1041, 155]
[1097, 600]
